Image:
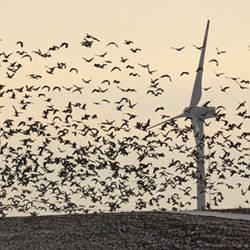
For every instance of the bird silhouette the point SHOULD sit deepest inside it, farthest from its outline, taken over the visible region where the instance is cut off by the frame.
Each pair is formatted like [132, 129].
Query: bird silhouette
[178, 49]
[220, 52]
[214, 60]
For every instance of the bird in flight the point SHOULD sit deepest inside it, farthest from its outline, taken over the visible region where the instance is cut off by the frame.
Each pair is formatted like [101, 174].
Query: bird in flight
[219, 74]
[20, 43]
[224, 89]
[197, 47]
[184, 73]
[65, 45]
[112, 43]
[166, 75]
[242, 104]
[75, 69]
[214, 60]
[88, 60]
[178, 49]
[135, 50]
[128, 42]
[206, 89]
[220, 52]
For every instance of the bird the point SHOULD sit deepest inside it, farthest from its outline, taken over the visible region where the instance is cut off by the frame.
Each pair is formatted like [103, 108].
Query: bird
[99, 90]
[128, 42]
[86, 81]
[242, 104]
[159, 108]
[206, 103]
[134, 74]
[206, 89]
[219, 74]
[223, 89]
[50, 70]
[20, 43]
[53, 48]
[79, 89]
[214, 60]
[112, 43]
[220, 52]
[115, 68]
[166, 75]
[134, 50]
[86, 43]
[88, 60]
[64, 44]
[34, 76]
[123, 60]
[16, 112]
[178, 49]
[56, 88]
[92, 37]
[46, 87]
[106, 81]
[102, 55]
[197, 47]
[233, 78]
[10, 75]
[74, 69]
[184, 73]
[26, 55]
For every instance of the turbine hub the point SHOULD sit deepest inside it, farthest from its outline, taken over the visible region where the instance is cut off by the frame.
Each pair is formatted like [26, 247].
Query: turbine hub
[205, 112]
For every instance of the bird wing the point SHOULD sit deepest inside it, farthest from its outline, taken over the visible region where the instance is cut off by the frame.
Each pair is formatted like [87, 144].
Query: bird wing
[196, 94]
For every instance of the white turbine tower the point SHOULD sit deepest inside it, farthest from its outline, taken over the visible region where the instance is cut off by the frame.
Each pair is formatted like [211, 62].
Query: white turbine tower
[198, 115]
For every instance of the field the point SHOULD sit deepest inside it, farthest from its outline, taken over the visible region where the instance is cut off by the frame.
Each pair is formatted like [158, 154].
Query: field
[127, 230]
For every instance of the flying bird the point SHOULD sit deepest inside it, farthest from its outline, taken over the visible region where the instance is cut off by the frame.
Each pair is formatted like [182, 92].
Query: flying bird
[86, 81]
[20, 43]
[88, 60]
[102, 55]
[123, 60]
[92, 37]
[197, 47]
[219, 74]
[159, 108]
[178, 49]
[166, 75]
[206, 89]
[74, 69]
[128, 42]
[112, 43]
[115, 68]
[134, 74]
[214, 60]
[184, 73]
[134, 50]
[242, 104]
[224, 89]
[220, 52]
[26, 55]
[65, 45]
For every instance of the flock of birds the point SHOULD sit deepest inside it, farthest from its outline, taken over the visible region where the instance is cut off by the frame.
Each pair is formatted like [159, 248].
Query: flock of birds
[71, 154]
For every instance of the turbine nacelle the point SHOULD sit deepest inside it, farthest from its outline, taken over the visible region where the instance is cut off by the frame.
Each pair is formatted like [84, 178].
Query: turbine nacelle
[203, 112]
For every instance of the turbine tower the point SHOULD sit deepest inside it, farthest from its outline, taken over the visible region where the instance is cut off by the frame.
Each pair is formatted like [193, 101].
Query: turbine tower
[198, 114]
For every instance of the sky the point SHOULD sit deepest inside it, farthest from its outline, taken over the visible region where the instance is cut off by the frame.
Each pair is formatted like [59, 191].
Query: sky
[154, 27]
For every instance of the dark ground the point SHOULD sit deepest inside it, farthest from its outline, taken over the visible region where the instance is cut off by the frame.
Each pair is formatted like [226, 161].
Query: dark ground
[130, 230]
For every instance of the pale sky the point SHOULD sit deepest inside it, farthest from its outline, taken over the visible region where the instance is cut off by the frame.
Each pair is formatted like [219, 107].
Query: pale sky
[154, 27]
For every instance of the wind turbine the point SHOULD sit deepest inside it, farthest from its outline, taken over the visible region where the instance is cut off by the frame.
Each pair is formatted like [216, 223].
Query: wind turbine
[198, 114]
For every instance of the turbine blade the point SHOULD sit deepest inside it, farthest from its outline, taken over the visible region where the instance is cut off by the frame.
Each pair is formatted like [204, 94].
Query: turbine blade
[196, 94]
[198, 129]
[175, 117]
